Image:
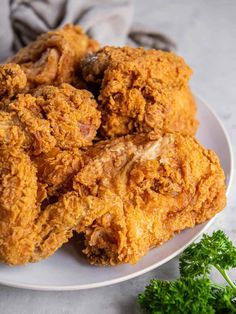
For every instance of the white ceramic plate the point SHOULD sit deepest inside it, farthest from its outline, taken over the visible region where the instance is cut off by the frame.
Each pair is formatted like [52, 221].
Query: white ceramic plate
[66, 270]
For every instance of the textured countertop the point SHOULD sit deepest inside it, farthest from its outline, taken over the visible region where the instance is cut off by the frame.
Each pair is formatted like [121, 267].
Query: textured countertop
[205, 32]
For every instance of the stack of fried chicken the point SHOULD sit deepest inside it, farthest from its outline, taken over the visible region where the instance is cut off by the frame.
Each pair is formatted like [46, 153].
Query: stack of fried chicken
[99, 142]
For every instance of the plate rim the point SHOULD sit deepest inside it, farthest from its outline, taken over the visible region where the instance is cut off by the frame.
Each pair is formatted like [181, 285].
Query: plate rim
[155, 265]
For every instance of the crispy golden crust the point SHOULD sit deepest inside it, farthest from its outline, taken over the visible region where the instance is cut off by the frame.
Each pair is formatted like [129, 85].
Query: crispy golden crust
[56, 169]
[140, 192]
[18, 208]
[123, 195]
[72, 114]
[43, 123]
[12, 80]
[54, 57]
[27, 233]
[55, 225]
[129, 195]
[29, 117]
[52, 116]
[141, 91]
[11, 132]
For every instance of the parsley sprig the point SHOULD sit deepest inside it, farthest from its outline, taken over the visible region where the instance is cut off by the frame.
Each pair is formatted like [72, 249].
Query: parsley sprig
[194, 292]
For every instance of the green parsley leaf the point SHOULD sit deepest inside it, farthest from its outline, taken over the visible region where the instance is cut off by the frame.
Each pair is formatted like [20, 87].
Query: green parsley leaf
[223, 300]
[194, 292]
[185, 295]
[216, 250]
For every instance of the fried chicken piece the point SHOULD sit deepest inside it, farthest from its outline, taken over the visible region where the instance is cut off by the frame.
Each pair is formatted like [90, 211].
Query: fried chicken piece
[28, 233]
[52, 116]
[142, 189]
[54, 57]
[141, 91]
[72, 114]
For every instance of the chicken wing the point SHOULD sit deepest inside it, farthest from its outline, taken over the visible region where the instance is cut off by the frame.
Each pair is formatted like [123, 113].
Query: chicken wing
[140, 91]
[54, 57]
[141, 190]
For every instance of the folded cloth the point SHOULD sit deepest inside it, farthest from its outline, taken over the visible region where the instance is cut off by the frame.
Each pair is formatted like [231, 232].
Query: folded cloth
[108, 21]
[143, 36]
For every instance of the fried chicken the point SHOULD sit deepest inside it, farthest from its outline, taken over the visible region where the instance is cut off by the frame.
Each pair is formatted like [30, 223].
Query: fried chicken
[54, 57]
[129, 195]
[28, 233]
[52, 116]
[35, 219]
[72, 114]
[140, 91]
[141, 190]
[124, 195]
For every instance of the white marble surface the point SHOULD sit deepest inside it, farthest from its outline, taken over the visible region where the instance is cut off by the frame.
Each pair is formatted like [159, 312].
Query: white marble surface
[205, 31]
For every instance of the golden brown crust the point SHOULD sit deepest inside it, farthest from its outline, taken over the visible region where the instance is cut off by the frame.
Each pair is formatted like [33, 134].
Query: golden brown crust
[141, 192]
[12, 80]
[56, 169]
[52, 116]
[129, 195]
[124, 195]
[18, 208]
[72, 114]
[11, 132]
[28, 233]
[54, 57]
[141, 91]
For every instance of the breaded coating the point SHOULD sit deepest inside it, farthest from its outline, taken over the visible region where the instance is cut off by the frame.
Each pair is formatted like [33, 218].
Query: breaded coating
[27, 233]
[52, 116]
[129, 195]
[57, 168]
[72, 113]
[18, 208]
[37, 129]
[56, 224]
[59, 98]
[54, 57]
[11, 132]
[12, 81]
[141, 190]
[141, 91]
